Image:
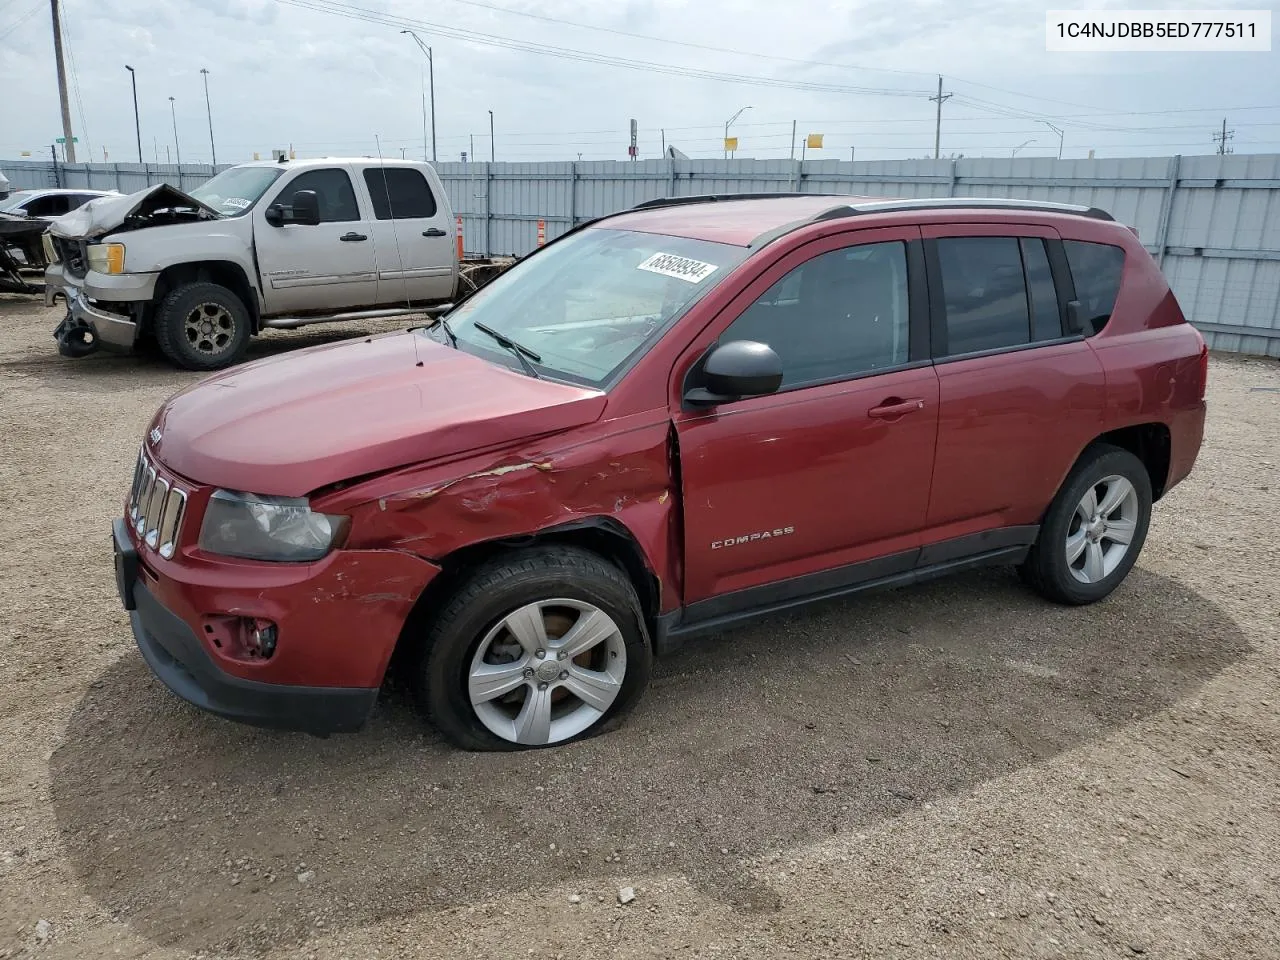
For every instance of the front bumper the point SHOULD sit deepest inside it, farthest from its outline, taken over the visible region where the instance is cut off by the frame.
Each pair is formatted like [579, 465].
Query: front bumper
[177, 655]
[112, 331]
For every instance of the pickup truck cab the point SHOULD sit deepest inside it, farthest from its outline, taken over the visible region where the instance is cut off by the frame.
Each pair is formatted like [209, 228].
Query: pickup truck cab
[262, 244]
[663, 423]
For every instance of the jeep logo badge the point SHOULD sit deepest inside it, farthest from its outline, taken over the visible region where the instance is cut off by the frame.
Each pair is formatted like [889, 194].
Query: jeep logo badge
[155, 435]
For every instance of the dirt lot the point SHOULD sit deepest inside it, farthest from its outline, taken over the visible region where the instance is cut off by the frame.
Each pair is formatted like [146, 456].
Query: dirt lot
[956, 770]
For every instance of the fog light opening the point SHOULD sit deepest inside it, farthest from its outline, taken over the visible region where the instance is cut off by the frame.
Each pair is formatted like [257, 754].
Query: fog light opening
[262, 638]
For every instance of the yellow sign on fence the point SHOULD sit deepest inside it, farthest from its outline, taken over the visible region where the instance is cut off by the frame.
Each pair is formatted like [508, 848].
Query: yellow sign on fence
[814, 142]
[731, 143]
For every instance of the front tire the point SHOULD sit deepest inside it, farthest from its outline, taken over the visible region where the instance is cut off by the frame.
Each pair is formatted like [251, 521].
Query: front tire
[535, 649]
[1094, 529]
[202, 326]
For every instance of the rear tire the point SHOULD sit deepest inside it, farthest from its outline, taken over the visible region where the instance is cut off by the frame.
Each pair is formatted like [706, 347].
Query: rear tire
[500, 668]
[1094, 529]
[202, 326]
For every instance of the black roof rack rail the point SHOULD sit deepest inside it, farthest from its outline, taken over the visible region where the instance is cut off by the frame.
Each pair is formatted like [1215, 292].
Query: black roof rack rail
[717, 197]
[961, 203]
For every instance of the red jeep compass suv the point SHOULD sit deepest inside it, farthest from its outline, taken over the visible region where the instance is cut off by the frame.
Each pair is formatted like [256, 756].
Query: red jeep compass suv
[664, 422]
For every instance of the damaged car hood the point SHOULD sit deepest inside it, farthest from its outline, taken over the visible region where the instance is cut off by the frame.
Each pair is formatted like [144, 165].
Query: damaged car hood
[132, 211]
[288, 426]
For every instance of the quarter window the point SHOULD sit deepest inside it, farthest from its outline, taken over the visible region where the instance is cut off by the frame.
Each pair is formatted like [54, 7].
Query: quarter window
[841, 314]
[399, 193]
[1095, 270]
[333, 190]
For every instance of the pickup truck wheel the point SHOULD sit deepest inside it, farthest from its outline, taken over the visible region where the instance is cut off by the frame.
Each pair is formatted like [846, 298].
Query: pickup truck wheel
[1094, 530]
[535, 649]
[202, 326]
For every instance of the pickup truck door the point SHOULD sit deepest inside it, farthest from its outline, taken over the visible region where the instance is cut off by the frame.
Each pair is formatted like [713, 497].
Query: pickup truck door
[326, 266]
[416, 257]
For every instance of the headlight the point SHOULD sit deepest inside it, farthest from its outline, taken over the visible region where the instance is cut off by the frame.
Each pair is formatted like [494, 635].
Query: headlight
[267, 528]
[106, 257]
[50, 251]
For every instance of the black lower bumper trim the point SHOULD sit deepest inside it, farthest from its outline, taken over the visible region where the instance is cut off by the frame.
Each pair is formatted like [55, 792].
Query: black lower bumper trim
[176, 656]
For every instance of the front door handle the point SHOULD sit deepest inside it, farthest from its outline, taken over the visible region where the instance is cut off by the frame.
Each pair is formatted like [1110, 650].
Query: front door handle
[434, 232]
[352, 237]
[894, 407]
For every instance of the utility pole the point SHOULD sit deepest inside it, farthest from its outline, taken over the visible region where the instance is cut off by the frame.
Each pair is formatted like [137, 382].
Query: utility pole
[431, 71]
[793, 139]
[69, 148]
[209, 112]
[1223, 137]
[937, 128]
[173, 112]
[491, 136]
[137, 126]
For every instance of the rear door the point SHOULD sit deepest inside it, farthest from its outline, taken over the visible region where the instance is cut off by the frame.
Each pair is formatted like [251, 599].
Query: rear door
[321, 267]
[1019, 397]
[416, 260]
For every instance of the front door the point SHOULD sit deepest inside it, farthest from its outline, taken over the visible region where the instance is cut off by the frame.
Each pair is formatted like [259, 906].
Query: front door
[320, 267]
[828, 479]
[414, 232]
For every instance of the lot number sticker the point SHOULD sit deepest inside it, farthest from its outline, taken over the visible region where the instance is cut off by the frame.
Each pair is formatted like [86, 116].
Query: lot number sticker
[682, 268]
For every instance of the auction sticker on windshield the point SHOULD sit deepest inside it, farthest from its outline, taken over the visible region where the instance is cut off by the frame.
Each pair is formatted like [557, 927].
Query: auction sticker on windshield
[682, 268]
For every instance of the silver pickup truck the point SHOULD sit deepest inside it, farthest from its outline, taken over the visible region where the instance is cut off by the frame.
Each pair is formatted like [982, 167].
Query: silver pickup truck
[261, 245]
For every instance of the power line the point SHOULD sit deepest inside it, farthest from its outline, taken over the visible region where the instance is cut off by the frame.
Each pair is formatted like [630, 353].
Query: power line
[352, 12]
[15, 24]
[75, 83]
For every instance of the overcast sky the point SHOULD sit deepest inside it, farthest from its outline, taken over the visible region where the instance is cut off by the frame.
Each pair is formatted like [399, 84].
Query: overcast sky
[284, 72]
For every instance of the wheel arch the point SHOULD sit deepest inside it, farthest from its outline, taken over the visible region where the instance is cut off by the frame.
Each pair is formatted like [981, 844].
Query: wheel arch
[604, 536]
[225, 273]
[1150, 442]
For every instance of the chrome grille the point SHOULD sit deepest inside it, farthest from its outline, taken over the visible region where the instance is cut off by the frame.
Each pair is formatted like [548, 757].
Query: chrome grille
[156, 508]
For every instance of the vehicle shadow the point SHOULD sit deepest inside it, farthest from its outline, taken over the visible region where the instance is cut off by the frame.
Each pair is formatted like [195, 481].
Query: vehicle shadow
[798, 727]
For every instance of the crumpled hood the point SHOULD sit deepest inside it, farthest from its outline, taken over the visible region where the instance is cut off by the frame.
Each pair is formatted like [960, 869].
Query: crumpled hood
[293, 424]
[104, 214]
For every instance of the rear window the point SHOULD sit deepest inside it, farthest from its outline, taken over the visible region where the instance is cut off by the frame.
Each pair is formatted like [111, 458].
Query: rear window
[399, 193]
[1095, 271]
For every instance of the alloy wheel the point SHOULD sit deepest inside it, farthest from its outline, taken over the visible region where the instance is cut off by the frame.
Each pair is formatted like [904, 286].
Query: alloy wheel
[1102, 529]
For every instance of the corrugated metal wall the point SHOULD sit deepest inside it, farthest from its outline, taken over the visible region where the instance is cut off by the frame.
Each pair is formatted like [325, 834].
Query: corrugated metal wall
[1213, 222]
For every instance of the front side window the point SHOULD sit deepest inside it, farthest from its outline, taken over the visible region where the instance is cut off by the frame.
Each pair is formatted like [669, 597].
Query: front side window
[1095, 271]
[333, 191]
[399, 193]
[841, 314]
[234, 191]
[592, 302]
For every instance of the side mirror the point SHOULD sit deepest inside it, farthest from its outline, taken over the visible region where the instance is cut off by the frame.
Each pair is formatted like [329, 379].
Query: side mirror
[274, 214]
[306, 208]
[731, 371]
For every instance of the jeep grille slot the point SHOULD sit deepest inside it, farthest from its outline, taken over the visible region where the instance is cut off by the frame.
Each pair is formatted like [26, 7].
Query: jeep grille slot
[156, 508]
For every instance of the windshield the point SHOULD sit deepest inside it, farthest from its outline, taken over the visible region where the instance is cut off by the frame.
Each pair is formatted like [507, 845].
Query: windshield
[234, 191]
[590, 302]
[16, 200]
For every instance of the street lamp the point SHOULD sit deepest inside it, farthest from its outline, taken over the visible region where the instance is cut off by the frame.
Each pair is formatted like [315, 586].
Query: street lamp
[174, 113]
[431, 67]
[729, 123]
[209, 112]
[1020, 146]
[137, 127]
[1058, 131]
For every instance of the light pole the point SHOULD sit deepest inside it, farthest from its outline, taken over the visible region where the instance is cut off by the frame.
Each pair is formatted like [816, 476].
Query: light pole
[1058, 131]
[431, 70]
[1020, 146]
[728, 123]
[491, 136]
[137, 127]
[209, 112]
[174, 113]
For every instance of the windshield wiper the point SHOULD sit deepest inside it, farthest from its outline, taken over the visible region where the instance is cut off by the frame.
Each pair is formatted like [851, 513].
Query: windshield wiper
[523, 353]
[444, 325]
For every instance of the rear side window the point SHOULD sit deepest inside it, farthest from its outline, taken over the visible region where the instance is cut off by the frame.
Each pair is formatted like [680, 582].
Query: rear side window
[984, 293]
[400, 193]
[1095, 271]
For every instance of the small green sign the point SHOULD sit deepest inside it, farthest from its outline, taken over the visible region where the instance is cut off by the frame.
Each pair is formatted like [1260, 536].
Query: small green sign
[64, 140]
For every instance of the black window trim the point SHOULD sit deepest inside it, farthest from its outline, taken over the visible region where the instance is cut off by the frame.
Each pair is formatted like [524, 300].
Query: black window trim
[938, 312]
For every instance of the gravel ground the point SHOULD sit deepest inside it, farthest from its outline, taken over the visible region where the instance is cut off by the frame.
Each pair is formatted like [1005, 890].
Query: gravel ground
[954, 770]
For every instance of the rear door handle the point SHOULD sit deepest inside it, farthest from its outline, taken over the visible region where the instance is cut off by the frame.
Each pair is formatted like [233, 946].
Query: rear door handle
[352, 237]
[893, 408]
[434, 232]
